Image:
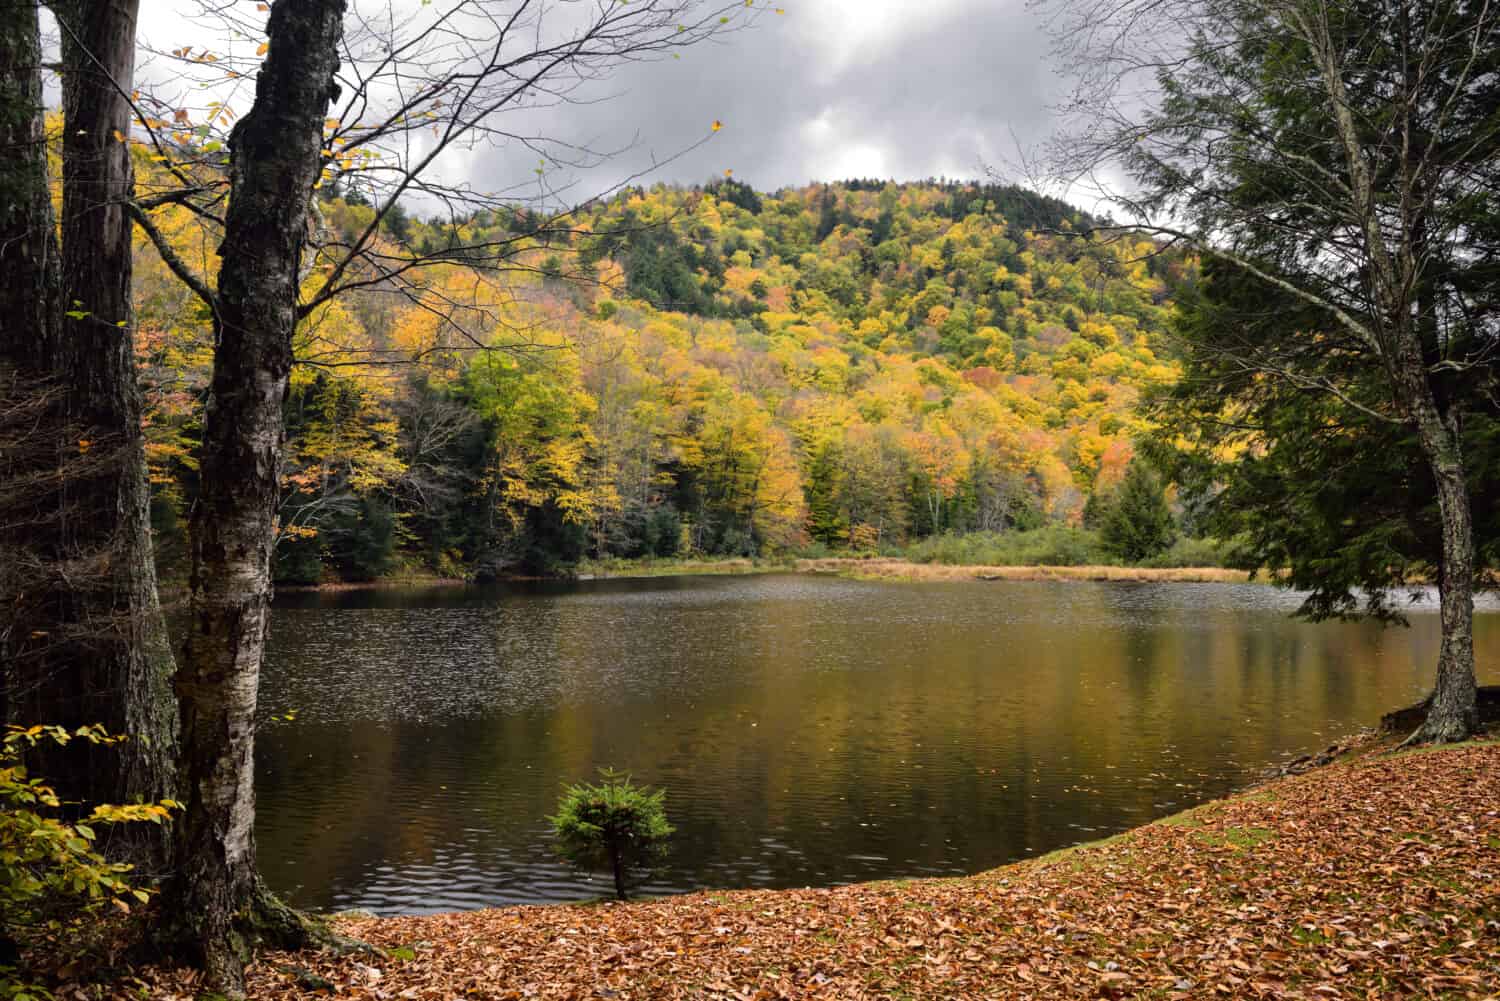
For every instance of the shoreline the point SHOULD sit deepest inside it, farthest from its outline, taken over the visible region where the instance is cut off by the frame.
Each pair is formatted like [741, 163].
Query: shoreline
[1274, 891]
[849, 567]
[905, 570]
[376, 585]
[895, 568]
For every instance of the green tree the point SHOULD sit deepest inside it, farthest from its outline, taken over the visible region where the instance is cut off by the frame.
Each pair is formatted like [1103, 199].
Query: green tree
[1137, 523]
[826, 520]
[614, 825]
[1343, 157]
[1354, 541]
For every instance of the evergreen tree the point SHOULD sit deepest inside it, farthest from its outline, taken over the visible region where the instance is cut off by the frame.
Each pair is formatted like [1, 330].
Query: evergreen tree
[1337, 500]
[1137, 524]
[1344, 156]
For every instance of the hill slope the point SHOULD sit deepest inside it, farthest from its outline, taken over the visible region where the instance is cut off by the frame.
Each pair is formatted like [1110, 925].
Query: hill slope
[707, 370]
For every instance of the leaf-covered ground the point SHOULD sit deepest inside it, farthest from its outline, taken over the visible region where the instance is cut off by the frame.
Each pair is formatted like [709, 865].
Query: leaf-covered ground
[1377, 877]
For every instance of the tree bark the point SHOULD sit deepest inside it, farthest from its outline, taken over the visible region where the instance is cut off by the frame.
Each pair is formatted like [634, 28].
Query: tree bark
[28, 246]
[619, 869]
[275, 159]
[99, 650]
[1452, 713]
[1453, 705]
[28, 304]
[130, 690]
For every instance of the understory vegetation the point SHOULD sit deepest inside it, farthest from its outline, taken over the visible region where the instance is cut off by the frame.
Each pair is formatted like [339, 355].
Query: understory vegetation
[1060, 545]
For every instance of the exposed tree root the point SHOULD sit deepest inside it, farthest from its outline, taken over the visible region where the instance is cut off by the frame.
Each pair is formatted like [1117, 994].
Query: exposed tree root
[271, 923]
[266, 922]
[1445, 730]
[1416, 721]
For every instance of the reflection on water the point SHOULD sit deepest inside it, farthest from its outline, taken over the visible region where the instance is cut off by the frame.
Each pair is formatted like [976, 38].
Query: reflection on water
[810, 731]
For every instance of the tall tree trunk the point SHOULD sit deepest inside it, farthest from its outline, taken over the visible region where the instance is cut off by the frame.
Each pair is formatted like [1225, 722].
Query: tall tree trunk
[275, 159]
[28, 325]
[130, 687]
[1452, 713]
[28, 247]
[100, 652]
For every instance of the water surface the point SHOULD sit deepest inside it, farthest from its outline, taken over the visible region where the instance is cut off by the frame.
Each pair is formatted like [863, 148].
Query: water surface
[810, 731]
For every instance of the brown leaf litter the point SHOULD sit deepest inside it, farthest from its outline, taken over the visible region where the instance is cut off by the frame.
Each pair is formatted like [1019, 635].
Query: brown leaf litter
[1375, 877]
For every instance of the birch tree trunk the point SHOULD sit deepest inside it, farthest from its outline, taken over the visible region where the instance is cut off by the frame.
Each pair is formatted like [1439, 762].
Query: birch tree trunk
[275, 159]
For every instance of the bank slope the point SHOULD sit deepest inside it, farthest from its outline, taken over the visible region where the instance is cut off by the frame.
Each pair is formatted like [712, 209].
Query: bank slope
[1377, 876]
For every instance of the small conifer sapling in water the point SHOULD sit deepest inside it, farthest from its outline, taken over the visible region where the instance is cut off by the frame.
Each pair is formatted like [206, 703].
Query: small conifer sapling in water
[613, 825]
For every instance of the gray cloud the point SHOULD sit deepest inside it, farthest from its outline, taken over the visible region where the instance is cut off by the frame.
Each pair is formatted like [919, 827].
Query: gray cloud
[833, 89]
[941, 94]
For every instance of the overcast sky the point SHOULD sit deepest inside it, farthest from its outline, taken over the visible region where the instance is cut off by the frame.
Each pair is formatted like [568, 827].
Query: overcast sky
[829, 90]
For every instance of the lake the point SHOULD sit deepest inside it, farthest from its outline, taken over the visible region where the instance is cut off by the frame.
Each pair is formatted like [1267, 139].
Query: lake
[809, 730]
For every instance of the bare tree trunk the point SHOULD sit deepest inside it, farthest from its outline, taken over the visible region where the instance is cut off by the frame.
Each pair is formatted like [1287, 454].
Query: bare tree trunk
[275, 158]
[28, 308]
[100, 652]
[1452, 713]
[130, 690]
[28, 317]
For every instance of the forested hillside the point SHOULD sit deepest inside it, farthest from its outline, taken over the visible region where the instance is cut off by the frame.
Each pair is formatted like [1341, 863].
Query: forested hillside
[710, 371]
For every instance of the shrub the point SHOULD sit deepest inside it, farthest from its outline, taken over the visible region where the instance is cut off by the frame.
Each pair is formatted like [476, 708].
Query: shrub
[1051, 545]
[1191, 552]
[614, 825]
[51, 874]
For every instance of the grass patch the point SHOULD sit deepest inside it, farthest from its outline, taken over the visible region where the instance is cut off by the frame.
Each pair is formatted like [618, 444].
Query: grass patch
[1242, 838]
[1054, 545]
[1310, 936]
[671, 567]
[1196, 816]
[1406, 752]
[1063, 853]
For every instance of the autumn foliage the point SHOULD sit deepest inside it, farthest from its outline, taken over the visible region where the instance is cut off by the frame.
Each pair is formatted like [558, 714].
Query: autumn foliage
[689, 371]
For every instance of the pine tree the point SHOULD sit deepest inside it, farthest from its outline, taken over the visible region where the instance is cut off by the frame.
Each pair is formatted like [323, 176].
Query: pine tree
[1138, 524]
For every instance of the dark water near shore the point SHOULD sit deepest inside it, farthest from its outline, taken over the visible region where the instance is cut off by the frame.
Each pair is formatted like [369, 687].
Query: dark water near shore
[810, 731]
